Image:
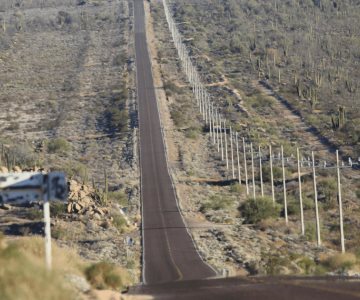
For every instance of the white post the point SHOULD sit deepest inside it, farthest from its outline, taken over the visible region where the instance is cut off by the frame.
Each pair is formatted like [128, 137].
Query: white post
[206, 108]
[284, 184]
[48, 258]
[221, 141]
[210, 122]
[226, 148]
[218, 129]
[238, 158]
[201, 100]
[272, 175]
[253, 170]
[340, 204]
[245, 168]
[316, 202]
[232, 154]
[300, 193]
[261, 174]
[214, 123]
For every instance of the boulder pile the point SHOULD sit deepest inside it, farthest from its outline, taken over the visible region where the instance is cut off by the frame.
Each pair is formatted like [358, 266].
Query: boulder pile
[84, 200]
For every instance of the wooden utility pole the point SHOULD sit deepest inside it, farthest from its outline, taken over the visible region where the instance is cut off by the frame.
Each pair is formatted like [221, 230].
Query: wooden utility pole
[316, 202]
[214, 123]
[284, 184]
[261, 174]
[300, 193]
[218, 129]
[271, 175]
[210, 122]
[340, 203]
[232, 154]
[253, 170]
[245, 168]
[238, 157]
[221, 142]
[226, 147]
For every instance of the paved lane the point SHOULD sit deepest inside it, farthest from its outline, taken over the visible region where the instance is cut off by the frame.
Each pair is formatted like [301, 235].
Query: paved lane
[256, 288]
[168, 251]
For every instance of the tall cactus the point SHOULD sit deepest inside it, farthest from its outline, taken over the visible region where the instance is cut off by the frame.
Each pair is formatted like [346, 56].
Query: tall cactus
[106, 190]
[339, 120]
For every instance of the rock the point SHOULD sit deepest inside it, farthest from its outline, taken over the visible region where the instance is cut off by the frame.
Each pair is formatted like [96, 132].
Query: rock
[97, 217]
[5, 206]
[85, 202]
[99, 211]
[4, 170]
[17, 169]
[76, 207]
[69, 208]
[82, 194]
[78, 283]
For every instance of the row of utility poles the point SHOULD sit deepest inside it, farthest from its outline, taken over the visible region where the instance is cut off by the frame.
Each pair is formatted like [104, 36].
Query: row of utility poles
[229, 145]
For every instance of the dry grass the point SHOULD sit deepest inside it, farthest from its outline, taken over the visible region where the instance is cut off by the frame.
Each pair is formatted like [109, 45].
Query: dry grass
[24, 276]
[340, 261]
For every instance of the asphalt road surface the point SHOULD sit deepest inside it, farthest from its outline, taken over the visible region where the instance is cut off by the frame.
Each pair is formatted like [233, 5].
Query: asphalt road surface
[285, 288]
[172, 269]
[168, 250]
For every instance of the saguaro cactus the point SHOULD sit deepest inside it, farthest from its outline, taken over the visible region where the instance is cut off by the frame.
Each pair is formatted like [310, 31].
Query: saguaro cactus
[339, 120]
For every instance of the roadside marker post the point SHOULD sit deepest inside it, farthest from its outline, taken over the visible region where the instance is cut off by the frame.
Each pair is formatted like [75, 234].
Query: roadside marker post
[340, 203]
[238, 157]
[300, 193]
[284, 185]
[226, 146]
[245, 168]
[318, 236]
[20, 188]
[232, 154]
[261, 174]
[271, 174]
[253, 170]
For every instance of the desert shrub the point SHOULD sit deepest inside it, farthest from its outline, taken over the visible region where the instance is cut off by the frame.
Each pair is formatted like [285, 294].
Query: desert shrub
[293, 206]
[119, 222]
[63, 18]
[340, 261]
[308, 203]
[34, 213]
[120, 59]
[310, 231]
[117, 118]
[274, 262]
[192, 133]
[307, 264]
[255, 210]
[328, 187]
[103, 275]
[14, 126]
[24, 155]
[58, 145]
[57, 208]
[170, 88]
[73, 169]
[236, 188]
[277, 172]
[177, 115]
[118, 197]
[130, 264]
[216, 203]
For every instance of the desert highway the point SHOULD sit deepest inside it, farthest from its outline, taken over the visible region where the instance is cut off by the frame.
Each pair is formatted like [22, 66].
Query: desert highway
[172, 268]
[168, 251]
